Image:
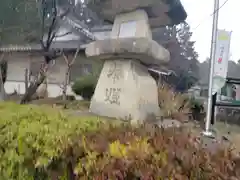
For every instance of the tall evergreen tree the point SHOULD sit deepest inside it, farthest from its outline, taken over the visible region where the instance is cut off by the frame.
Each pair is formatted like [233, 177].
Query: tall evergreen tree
[19, 21]
[183, 60]
[187, 48]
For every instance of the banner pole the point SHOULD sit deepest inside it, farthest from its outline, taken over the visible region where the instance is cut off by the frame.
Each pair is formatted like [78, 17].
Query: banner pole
[207, 131]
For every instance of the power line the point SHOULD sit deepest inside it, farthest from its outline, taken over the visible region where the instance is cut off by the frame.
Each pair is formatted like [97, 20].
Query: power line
[211, 14]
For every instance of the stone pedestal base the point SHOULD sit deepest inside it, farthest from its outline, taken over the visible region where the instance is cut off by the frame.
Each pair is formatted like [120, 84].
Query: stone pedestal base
[125, 90]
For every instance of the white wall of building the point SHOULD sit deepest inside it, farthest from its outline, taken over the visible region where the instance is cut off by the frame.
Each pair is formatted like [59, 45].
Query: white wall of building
[54, 90]
[237, 92]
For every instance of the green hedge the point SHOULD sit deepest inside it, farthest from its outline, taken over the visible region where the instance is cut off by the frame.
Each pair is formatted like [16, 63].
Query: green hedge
[85, 86]
[40, 143]
[35, 140]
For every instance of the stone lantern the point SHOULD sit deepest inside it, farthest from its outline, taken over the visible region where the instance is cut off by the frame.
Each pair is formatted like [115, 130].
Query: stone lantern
[125, 88]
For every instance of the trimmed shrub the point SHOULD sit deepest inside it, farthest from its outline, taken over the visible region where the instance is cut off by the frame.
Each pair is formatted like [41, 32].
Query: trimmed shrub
[42, 144]
[197, 108]
[85, 86]
[36, 141]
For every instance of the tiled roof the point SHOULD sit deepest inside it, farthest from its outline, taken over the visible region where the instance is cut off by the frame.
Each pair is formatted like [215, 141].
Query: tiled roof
[66, 45]
[20, 48]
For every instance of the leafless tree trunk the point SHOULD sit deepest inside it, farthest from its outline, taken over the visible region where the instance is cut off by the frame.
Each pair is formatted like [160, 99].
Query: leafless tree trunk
[26, 79]
[48, 53]
[67, 73]
[2, 90]
[2, 78]
[38, 80]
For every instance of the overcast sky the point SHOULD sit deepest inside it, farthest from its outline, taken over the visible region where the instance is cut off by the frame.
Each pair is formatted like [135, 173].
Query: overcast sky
[199, 13]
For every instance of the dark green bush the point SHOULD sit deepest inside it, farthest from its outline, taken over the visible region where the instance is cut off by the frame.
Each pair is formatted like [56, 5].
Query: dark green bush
[196, 104]
[38, 143]
[85, 86]
[197, 108]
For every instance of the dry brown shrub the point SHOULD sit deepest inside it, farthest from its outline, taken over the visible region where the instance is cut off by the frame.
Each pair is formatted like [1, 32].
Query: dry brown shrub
[173, 105]
[41, 143]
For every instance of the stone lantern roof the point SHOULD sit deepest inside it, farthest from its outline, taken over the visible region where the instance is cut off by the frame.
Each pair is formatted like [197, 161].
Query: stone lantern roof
[160, 12]
[177, 12]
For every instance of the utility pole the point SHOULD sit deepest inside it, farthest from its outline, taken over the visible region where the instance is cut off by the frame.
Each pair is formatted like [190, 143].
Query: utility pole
[207, 131]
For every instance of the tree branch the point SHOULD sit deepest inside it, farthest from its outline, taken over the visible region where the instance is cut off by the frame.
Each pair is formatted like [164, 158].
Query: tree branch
[64, 34]
[51, 34]
[43, 19]
[73, 59]
[75, 56]
[52, 28]
[65, 58]
[2, 56]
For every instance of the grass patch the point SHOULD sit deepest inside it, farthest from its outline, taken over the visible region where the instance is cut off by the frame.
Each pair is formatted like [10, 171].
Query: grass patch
[73, 104]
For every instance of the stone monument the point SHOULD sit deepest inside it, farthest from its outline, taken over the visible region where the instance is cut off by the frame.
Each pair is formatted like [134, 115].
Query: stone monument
[125, 89]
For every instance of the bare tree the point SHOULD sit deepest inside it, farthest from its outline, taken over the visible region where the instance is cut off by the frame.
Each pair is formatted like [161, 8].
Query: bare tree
[3, 76]
[68, 71]
[50, 17]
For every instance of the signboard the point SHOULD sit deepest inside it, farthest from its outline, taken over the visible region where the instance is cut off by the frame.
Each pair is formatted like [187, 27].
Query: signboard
[128, 29]
[221, 59]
